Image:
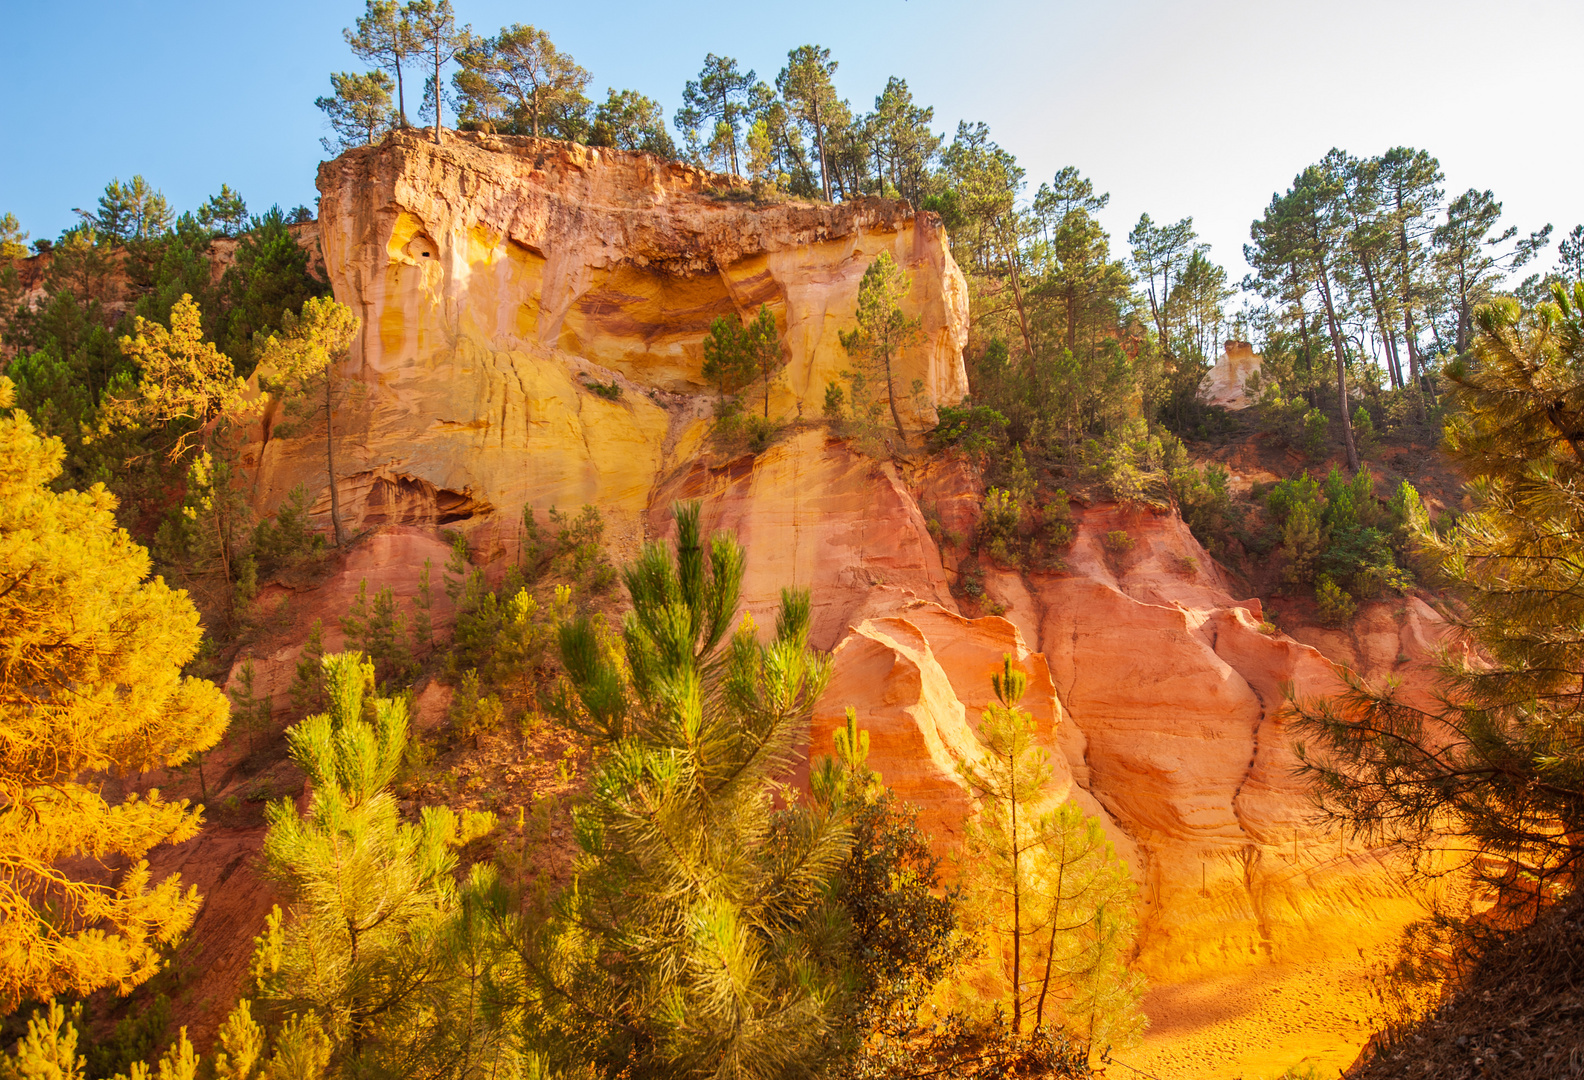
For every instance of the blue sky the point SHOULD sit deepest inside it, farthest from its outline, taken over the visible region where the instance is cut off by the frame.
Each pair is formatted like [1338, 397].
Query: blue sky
[1175, 108]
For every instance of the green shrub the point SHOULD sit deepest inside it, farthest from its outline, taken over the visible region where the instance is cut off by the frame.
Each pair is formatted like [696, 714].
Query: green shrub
[610, 391]
[1135, 463]
[1364, 430]
[1316, 429]
[1336, 606]
[472, 711]
[1304, 542]
[1117, 542]
[1058, 521]
[1000, 523]
[137, 1038]
[760, 433]
[287, 541]
[1280, 416]
[1205, 501]
[1294, 491]
[835, 401]
[1339, 528]
[974, 429]
[375, 627]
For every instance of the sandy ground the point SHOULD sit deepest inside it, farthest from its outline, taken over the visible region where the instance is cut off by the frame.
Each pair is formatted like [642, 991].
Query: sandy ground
[1256, 1024]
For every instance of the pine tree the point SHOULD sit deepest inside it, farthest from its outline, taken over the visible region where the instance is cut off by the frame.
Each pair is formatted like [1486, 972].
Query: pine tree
[385, 36]
[359, 111]
[629, 120]
[1057, 900]
[1300, 244]
[737, 352]
[728, 359]
[91, 683]
[764, 348]
[226, 213]
[701, 937]
[130, 211]
[13, 241]
[304, 355]
[307, 688]
[884, 331]
[720, 93]
[521, 73]
[1086, 900]
[1009, 779]
[241, 1044]
[1498, 761]
[906, 144]
[249, 711]
[805, 83]
[423, 610]
[49, 1049]
[184, 382]
[439, 41]
[365, 889]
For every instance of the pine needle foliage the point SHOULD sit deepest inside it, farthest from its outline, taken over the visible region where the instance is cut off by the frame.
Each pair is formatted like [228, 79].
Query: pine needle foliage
[366, 889]
[701, 937]
[185, 383]
[91, 653]
[1499, 760]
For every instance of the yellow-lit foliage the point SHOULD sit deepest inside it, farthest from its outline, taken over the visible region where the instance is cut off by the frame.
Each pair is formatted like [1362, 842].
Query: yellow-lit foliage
[90, 681]
[184, 379]
[310, 342]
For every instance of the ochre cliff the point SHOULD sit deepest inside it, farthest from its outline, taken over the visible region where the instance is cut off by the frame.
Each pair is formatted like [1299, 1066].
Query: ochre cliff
[497, 277]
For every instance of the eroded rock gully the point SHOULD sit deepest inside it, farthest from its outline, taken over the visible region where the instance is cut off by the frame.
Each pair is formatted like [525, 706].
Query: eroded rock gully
[497, 277]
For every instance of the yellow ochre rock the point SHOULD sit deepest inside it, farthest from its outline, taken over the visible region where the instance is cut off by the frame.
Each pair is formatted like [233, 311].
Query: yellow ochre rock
[534, 311]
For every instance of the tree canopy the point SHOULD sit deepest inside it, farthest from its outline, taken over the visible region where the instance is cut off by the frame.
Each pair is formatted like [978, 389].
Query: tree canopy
[90, 684]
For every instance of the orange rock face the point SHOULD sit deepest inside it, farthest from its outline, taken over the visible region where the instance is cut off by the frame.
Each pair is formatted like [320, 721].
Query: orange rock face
[498, 278]
[1164, 696]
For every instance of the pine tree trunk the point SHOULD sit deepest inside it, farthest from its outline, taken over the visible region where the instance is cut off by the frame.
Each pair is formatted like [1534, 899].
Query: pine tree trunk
[437, 91]
[1017, 295]
[1407, 302]
[1392, 367]
[1017, 908]
[1417, 397]
[819, 140]
[1072, 319]
[401, 96]
[1050, 951]
[1341, 366]
[896, 417]
[335, 499]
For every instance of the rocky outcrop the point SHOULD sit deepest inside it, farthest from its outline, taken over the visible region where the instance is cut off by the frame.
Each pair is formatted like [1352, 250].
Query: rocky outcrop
[1161, 698]
[533, 315]
[814, 514]
[1226, 384]
[500, 279]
